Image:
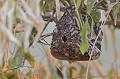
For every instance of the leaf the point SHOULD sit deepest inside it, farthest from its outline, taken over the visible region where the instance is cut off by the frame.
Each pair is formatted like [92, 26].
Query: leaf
[30, 59]
[95, 15]
[49, 5]
[79, 21]
[90, 4]
[78, 3]
[84, 45]
[78, 24]
[116, 13]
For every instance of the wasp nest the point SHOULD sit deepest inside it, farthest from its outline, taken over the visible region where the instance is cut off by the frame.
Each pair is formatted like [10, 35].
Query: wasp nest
[66, 38]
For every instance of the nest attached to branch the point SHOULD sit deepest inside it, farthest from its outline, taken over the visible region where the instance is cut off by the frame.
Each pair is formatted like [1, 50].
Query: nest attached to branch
[66, 38]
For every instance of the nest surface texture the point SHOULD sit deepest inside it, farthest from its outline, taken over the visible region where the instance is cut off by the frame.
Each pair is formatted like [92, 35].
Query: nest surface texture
[66, 38]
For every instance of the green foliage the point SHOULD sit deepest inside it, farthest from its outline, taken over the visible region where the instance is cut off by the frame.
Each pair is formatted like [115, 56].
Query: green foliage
[12, 75]
[90, 4]
[70, 2]
[78, 16]
[71, 72]
[78, 23]
[83, 70]
[116, 12]
[95, 15]
[17, 60]
[3, 77]
[78, 3]
[47, 6]
[30, 59]
[30, 74]
[84, 32]
[12, 3]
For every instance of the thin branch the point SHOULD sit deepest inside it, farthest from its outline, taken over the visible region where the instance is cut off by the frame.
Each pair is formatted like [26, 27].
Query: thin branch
[46, 35]
[14, 68]
[111, 22]
[95, 46]
[48, 22]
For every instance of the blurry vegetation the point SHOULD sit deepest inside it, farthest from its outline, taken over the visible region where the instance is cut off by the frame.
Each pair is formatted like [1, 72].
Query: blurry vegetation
[22, 23]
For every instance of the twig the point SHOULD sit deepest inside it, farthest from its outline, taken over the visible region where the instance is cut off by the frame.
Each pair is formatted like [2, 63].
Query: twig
[95, 46]
[43, 43]
[14, 68]
[111, 22]
[48, 22]
[46, 35]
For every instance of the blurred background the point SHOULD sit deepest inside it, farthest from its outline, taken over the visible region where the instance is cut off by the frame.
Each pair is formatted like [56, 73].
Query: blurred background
[24, 56]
